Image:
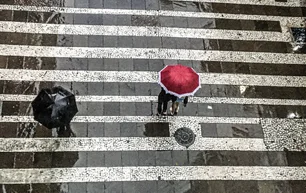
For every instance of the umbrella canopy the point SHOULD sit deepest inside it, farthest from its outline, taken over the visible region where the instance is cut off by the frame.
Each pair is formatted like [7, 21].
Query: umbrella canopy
[54, 107]
[179, 80]
[299, 35]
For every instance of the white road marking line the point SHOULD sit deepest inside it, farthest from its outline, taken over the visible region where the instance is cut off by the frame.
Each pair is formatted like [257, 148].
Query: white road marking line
[209, 100]
[141, 119]
[152, 53]
[292, 3]
[127, 144]
[147, 12]
[149, 173]
[148, 77]
[297, 22]
[41, 28]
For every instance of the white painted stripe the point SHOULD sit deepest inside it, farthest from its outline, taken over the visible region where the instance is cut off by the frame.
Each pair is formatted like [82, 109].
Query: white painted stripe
[148, 77]
[146, 12]
[250, 101]
[127, 144]
[289, 3]
[152, 53]
[149, 173]
[41, 28]
[142, 119]
[210, 100]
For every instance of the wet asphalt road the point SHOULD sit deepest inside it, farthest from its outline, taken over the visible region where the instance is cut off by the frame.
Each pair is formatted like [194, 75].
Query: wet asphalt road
[277, 141]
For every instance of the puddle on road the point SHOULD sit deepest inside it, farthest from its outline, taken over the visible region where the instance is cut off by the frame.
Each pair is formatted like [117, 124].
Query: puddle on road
[39, 160]
[157, 130]
[140, 20]
[166, 4]
[231, 130]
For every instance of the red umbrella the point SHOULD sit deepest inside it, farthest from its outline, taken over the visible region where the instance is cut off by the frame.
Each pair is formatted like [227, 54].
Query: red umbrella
[179, 80]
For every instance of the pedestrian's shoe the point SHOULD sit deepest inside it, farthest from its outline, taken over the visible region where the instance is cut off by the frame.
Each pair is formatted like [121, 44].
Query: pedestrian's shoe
[175, 112]
[171, 112]
[164, 113]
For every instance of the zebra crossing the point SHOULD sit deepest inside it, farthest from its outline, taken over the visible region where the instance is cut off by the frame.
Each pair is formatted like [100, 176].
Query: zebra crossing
[19, 117]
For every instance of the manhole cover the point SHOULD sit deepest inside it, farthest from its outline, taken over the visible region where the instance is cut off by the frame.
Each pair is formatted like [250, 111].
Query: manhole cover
[184, 136]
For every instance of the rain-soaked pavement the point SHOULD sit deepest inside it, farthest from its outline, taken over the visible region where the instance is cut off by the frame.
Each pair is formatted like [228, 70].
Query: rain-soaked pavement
[249, 126]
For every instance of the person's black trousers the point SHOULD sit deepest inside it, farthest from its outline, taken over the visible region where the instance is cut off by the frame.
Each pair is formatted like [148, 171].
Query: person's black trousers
[162, 105]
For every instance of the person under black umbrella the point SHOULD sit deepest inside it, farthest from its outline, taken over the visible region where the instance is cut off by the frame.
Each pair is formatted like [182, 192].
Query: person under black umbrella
[54, 108]
[299, 36]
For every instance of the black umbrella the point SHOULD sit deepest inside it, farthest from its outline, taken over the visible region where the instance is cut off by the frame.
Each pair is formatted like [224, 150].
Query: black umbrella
[54, 107]
[299, 36]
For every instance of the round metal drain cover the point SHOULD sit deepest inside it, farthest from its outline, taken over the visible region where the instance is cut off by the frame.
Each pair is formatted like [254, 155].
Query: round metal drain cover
[184, 136]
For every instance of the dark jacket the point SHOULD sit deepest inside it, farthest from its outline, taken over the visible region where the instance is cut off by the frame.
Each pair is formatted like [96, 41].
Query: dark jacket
[186, 100]
[166, 97]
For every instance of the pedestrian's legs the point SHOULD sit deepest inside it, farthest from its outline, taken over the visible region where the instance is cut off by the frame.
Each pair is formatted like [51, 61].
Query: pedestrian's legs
[175, 107]
[162, 106]
[165, 106]
[159, 108]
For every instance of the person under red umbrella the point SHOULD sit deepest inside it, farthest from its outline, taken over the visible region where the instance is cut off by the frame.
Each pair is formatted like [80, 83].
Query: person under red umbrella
[175, 105]
[177, 82]
[164, 98]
